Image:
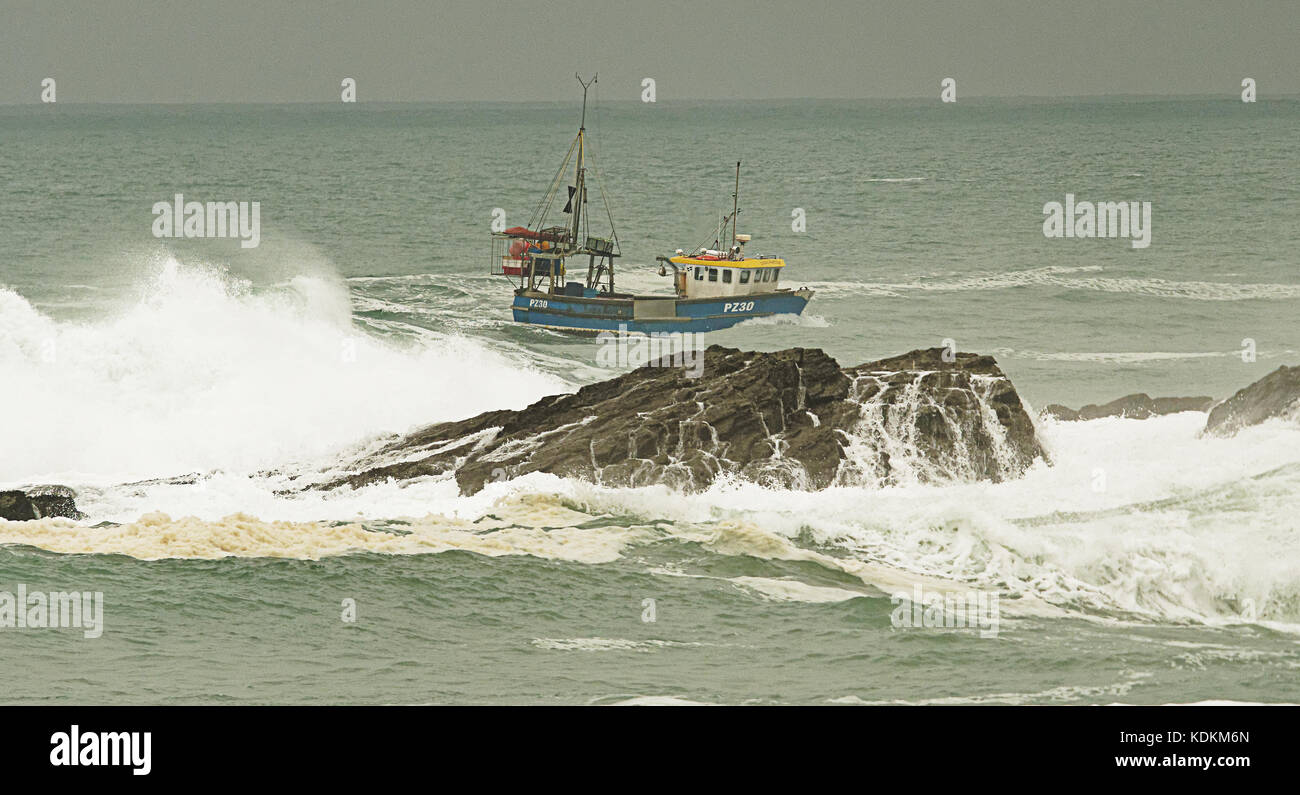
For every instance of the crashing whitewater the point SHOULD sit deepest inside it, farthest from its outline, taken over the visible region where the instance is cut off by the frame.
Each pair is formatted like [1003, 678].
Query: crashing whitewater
[1134, 520]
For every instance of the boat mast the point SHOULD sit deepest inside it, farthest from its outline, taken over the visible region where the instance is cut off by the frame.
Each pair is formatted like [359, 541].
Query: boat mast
[735, 206]
[578, 193]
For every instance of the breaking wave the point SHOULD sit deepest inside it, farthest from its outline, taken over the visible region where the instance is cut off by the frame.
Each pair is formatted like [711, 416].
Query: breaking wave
[1134, 521]
[204, 372]
[1137, 520]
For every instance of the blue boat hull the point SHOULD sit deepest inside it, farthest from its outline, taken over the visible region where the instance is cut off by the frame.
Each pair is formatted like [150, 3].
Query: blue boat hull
[650, 315]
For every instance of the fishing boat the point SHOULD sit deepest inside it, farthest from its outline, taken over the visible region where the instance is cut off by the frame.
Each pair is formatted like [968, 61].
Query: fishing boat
[713, 287]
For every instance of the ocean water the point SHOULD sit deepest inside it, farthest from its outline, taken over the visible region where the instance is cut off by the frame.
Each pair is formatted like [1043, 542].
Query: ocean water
[1145, 565]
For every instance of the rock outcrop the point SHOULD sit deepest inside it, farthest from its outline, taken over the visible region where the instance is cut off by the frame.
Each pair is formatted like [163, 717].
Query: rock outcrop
[793, 419]
[1137, 407]
[39, 502]
[1275, 395]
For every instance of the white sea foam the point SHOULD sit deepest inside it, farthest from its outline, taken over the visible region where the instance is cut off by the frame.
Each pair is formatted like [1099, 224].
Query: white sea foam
[804, 320]
[1135, 519]
[1185, 528]
[204, 372]
[607, 644]
[787, 590]
[1182, 528]
[1119, 357]
[536, 526]
[659, 701]
[1072, 278]
[1063, 694]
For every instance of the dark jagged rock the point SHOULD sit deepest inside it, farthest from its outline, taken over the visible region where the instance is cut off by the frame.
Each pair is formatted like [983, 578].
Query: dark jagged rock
[16, 507]
[39, 502]
[921, 416]
[792, 418]
[1136, 407]
[1275, 395]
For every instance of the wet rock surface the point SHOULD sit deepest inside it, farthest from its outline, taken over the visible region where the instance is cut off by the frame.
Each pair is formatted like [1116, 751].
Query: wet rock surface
[1275, 395]
[792, 418]
[39, 502]
[1138, 406]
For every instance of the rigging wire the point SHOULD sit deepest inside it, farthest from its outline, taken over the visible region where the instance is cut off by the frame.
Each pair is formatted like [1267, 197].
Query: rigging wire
[716, 234]
[600, 185]
[539, 214]
[600, 180]
[579, 207]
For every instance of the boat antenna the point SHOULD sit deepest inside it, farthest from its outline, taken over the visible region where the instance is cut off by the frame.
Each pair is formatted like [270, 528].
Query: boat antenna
[585, 85]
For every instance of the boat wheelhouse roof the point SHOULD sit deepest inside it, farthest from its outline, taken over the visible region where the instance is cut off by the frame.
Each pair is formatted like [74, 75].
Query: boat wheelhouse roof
[758, 262]
[552, 234]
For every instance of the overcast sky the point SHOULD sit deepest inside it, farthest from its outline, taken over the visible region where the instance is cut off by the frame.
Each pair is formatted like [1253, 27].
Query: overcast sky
[418, 50]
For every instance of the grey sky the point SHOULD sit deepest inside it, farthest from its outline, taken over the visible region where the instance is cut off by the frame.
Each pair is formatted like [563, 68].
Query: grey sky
[282, 51]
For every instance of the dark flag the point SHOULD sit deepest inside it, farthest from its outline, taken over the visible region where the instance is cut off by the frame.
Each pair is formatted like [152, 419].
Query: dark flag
[568, 208]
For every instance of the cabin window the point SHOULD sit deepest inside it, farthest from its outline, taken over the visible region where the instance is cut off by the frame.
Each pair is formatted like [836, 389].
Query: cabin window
[713, 274]
[744, 276]
[699, 274]
[726, 276]
[774, 275]
[761, 276]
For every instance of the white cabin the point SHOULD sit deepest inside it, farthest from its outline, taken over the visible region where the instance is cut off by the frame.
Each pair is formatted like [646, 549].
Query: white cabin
[723, 274]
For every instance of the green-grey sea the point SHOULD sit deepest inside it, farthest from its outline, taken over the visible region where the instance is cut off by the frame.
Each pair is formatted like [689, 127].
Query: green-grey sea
[179, 384]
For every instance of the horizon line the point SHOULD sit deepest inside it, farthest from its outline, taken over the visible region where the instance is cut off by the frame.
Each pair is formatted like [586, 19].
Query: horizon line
[1168, 97]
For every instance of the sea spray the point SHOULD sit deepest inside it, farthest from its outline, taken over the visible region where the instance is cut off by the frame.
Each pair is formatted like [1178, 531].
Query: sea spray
[204, 372]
